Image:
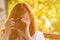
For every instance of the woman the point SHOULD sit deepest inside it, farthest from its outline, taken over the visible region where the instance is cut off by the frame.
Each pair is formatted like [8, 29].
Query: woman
[20, 25]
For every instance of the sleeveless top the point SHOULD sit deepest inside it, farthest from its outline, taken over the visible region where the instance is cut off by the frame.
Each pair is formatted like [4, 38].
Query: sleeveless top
[38, 36]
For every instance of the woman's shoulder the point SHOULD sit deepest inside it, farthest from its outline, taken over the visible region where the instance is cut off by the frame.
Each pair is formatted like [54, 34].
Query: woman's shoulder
[38, 36]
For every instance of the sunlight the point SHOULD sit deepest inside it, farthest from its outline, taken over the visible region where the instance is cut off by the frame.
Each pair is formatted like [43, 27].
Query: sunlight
[48, 24]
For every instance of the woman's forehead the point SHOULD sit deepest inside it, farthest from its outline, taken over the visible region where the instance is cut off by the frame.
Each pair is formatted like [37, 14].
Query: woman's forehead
[25, 15]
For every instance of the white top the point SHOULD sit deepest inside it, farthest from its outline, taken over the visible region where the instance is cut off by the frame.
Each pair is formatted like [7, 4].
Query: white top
[38, 36]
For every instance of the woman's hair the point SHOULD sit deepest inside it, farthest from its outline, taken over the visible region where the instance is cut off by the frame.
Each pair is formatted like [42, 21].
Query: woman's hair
[17, 14]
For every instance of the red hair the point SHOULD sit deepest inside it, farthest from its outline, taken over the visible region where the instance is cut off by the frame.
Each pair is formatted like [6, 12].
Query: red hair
[17, 12]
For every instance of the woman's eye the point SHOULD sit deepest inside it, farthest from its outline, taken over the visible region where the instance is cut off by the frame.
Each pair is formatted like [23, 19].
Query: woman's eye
[26, 18]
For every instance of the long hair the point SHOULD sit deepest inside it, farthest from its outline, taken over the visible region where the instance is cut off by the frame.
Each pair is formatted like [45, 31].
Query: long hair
[15, 17]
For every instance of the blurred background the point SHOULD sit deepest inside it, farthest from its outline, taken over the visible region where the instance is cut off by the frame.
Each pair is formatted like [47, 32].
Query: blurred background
[46, 13]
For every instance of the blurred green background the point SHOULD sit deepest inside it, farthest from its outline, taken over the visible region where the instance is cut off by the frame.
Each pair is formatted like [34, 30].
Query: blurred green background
[46, 12]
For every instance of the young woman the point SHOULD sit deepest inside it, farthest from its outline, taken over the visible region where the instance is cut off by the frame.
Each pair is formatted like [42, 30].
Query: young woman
[20, 25]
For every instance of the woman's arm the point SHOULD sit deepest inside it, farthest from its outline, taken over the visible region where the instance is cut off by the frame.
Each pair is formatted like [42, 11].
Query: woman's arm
[53, 36]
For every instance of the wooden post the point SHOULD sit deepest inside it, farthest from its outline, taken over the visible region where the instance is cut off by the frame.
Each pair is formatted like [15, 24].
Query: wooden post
[2, 15]
[2, 12]
[52, 36]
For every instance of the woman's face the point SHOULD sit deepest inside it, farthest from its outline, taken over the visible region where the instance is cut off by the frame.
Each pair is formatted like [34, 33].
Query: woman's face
[26, 18]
